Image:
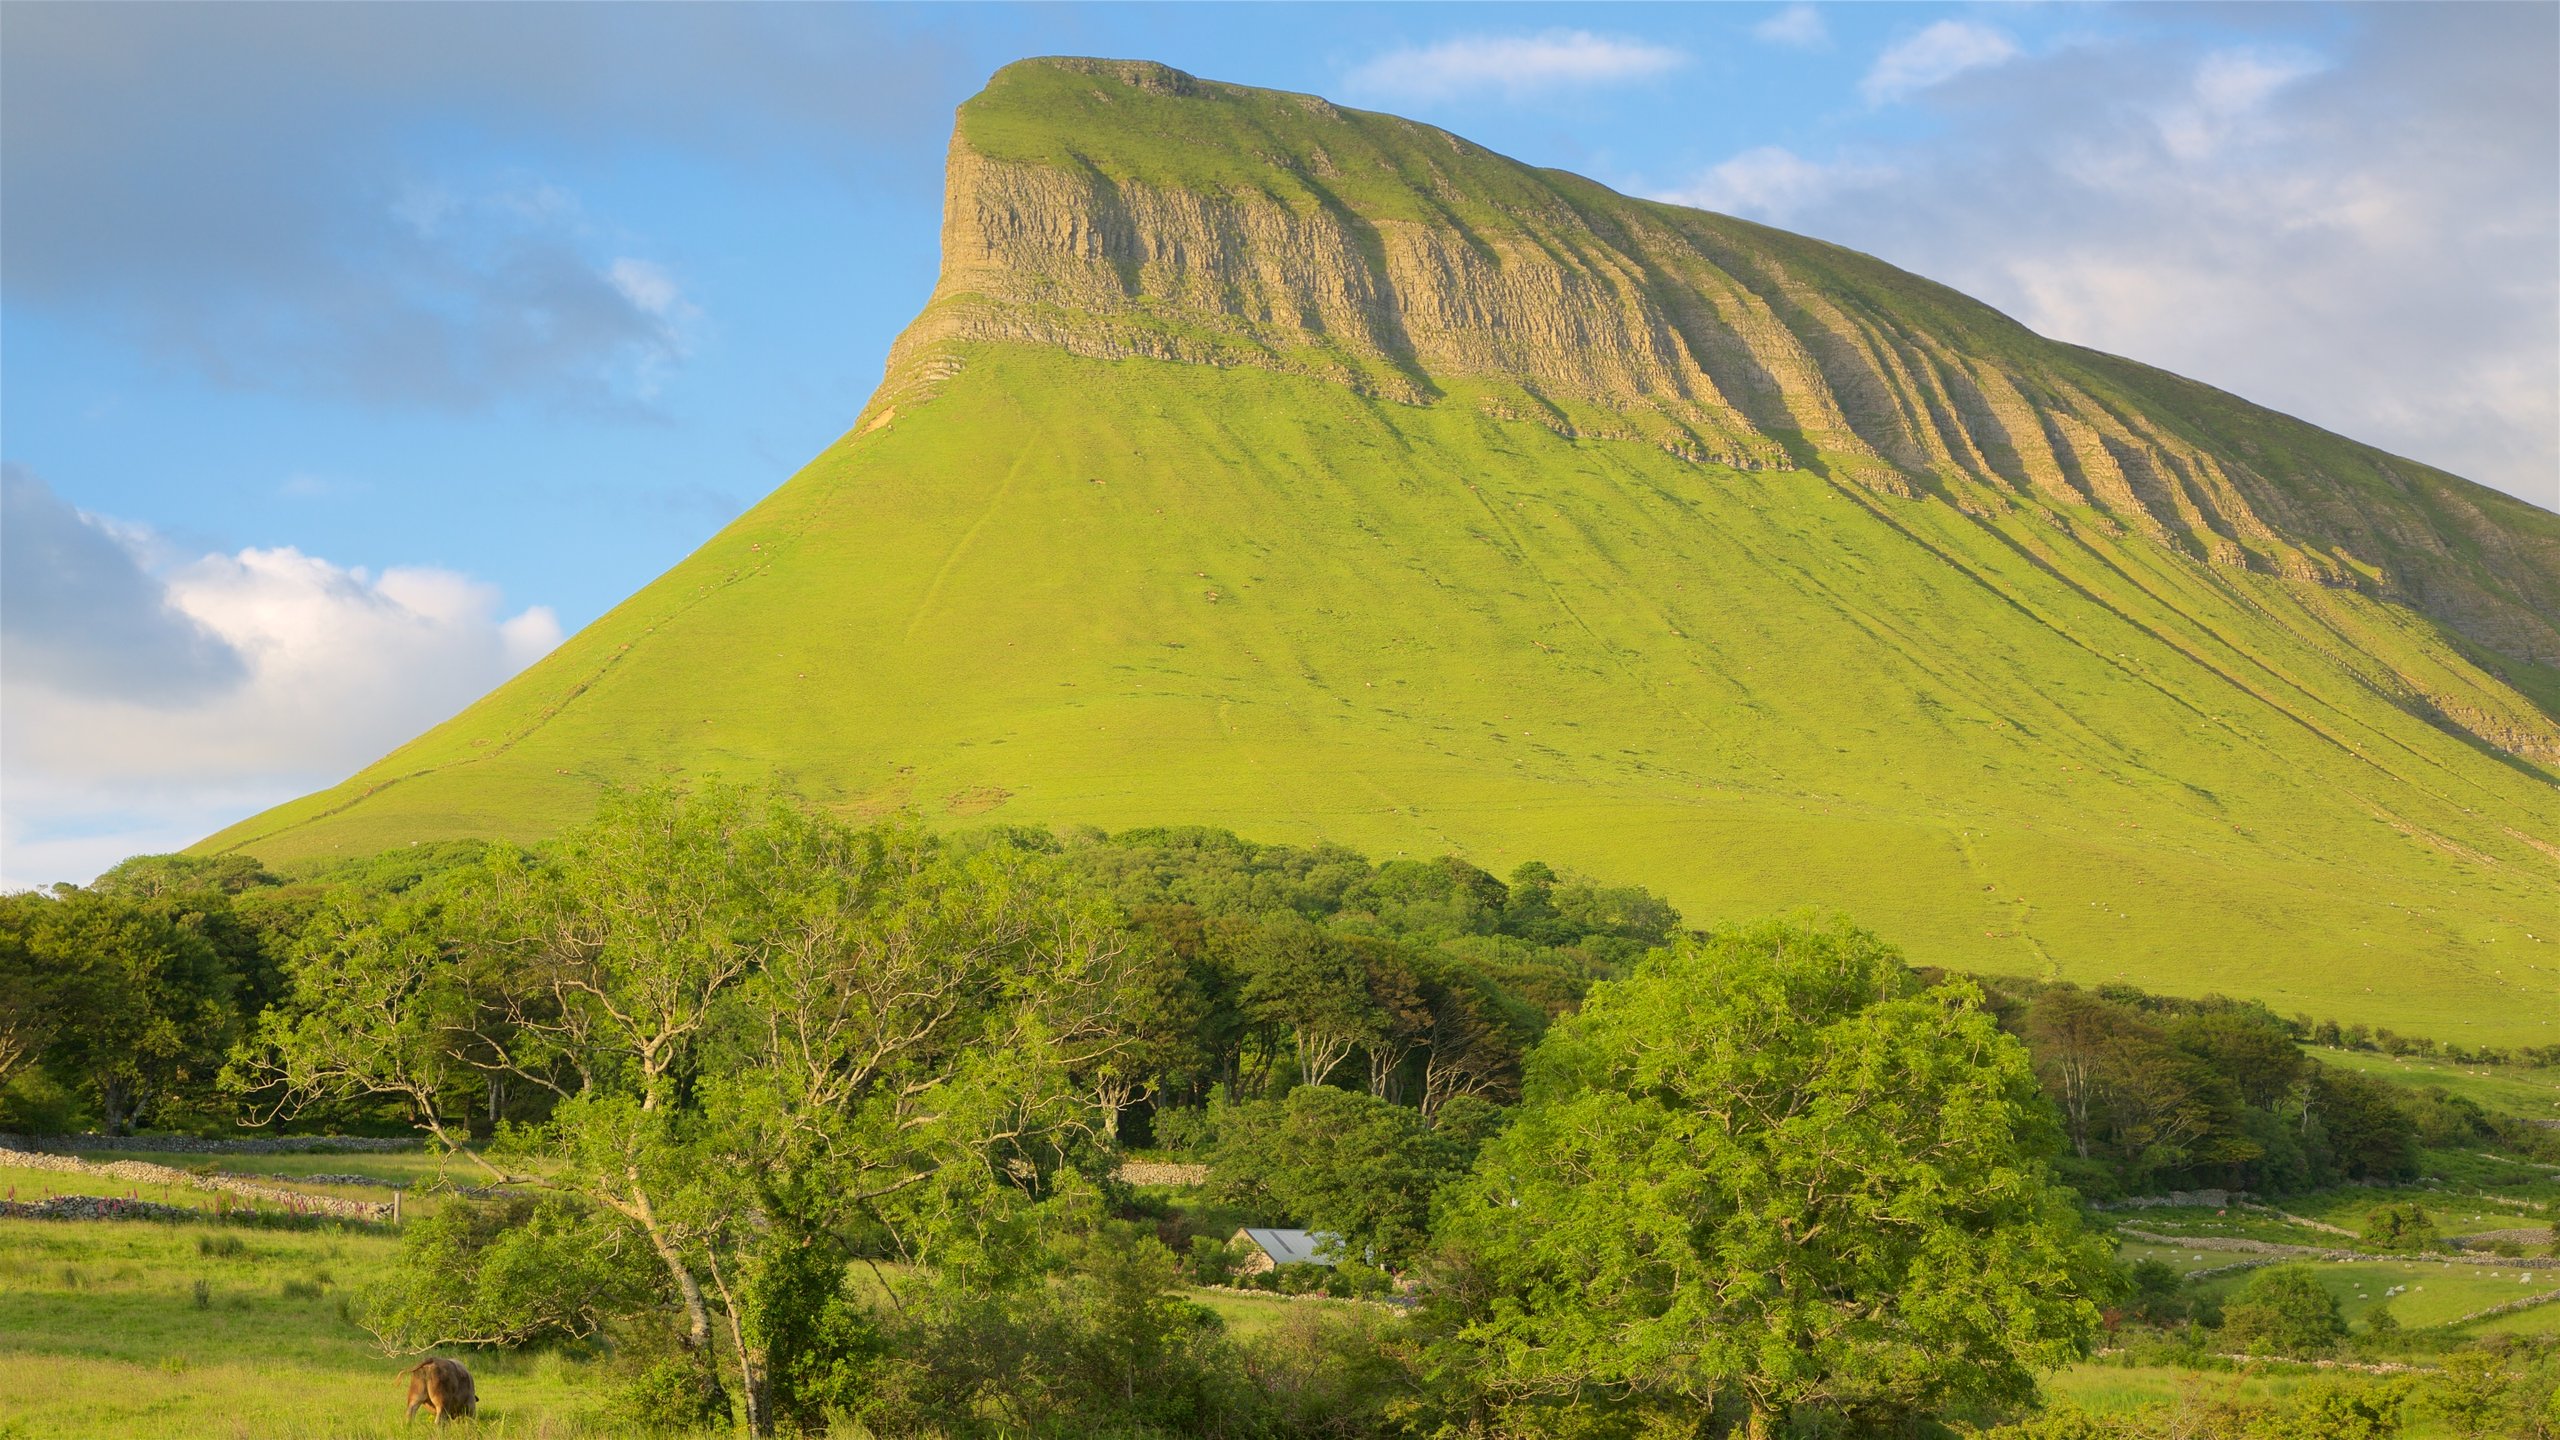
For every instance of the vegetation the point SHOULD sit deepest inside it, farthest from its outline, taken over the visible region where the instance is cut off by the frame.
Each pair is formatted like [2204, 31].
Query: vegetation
[2019, 721]
[795, 1124]
[1771, 1174]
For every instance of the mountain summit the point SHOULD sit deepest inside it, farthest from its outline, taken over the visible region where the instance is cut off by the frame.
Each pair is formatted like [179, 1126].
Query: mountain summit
[1318, 474]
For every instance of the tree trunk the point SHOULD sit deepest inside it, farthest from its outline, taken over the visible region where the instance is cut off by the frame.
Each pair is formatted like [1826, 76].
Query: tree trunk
[697, 1315]
[754, 1376]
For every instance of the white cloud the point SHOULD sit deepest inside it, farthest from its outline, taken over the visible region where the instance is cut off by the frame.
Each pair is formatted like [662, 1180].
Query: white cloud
[1512, 65]
[1772, 183]
[1798, 27]
[2230, 93]
[336, 665]
[646, 284]
[1934, 56]
[2361, 235]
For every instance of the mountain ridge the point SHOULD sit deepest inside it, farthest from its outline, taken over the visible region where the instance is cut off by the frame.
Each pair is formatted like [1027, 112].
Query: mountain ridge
[1263, 463]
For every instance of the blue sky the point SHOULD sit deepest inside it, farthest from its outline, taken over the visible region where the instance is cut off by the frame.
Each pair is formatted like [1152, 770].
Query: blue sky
[349, 355]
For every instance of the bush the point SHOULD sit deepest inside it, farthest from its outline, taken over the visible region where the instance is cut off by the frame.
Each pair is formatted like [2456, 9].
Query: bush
[506, 1272]
[2155, 1296]
[2400, 1228]
[1210, 1261]
[1185, 1129]
[2283, 1310]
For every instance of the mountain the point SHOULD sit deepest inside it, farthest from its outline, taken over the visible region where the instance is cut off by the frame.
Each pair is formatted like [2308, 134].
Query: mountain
[1318, 474]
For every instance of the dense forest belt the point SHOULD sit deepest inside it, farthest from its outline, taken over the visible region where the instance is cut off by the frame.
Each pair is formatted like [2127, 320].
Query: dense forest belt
[190, 1145]
[2319, 1252]
[143, 1173]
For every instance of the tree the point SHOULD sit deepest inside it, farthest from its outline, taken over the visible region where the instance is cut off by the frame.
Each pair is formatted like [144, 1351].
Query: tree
[1339, 1162]
[2283, 1310]
[1301, 979]
[2401, 1228]
[1772, 1173]
[762, 1033]
[2372, 1137]
[132, 1004]
[2246, 1046]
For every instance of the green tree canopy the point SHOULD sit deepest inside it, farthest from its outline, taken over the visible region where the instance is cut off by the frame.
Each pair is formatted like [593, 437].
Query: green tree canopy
[2283, 1310]
[1772, 1173]
[1338, 1162]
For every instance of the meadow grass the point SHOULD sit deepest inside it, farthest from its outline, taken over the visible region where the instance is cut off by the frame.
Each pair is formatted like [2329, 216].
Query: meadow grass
[2454, 1213]
[2434, 1294]
[101, 1335]
[2531, 1092]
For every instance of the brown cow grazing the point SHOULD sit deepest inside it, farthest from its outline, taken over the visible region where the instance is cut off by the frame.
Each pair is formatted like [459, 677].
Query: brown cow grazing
[444, 1387]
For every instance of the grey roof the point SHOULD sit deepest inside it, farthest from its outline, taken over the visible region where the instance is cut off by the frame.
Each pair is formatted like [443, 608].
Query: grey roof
[1295, 1247]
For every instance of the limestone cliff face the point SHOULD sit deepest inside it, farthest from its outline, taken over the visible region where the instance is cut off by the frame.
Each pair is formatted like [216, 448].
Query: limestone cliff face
[1120, 209]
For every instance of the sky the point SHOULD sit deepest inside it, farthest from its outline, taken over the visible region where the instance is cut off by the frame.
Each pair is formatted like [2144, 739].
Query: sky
[350, 356]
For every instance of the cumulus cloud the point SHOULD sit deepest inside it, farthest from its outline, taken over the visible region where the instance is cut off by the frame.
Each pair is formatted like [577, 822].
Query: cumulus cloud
[1933, 57]
[1798, 27]
[2366, 235]
[79, 612]
[1510, 65]
[307, 671]
[1772, 183]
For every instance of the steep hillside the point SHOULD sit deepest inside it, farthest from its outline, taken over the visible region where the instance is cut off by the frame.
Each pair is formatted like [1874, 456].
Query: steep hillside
[1316, 473]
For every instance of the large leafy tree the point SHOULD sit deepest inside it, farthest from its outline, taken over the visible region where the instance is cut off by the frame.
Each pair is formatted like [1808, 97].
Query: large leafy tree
[1338, 1162]
[117, 997]
[768, 1040]
[1770, 1174]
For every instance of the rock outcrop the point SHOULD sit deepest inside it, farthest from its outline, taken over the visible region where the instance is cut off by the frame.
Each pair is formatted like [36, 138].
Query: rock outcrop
[1213, 224]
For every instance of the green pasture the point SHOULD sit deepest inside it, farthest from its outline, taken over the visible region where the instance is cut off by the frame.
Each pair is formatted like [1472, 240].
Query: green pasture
[2454, 1212]
[2435, 1294]
[2232, 1223]
[2532, 1093]
[101, 1336]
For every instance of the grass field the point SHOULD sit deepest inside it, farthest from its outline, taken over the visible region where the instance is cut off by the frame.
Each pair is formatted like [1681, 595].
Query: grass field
[2434, 1294]
[2454, 1214]
[101, 1336]
[2016, 725]
[2529, 1092]
[25, 1183]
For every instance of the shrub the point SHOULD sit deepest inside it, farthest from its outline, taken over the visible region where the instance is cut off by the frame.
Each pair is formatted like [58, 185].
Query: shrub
[2283, 1310]
[1210, 1261]
[2400, 1228]
[2155, 1297]
[506, 1272]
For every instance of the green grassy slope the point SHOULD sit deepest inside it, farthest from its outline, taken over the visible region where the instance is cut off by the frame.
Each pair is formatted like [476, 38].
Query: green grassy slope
[1064, 582]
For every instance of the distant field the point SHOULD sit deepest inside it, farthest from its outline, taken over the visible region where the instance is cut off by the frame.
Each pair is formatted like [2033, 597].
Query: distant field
[2453, 1214]
[2436, 1294]
[100, 1337]
[2516, 1090]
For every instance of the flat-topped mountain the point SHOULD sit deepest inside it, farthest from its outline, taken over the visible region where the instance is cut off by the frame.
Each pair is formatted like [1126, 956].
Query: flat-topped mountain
[1318, 474]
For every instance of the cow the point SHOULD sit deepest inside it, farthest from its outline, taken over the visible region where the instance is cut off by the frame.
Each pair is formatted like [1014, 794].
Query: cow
[444, 1387]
